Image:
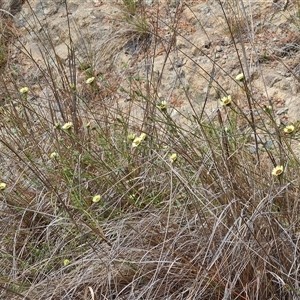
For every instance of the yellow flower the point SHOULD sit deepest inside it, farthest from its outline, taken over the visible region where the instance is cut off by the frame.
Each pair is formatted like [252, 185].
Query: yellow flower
[53, 155]
[277, 171]
[87, 125]
[162, 105]
[289, 129]
[226, 100]
[66, 262]
[2, 186]
[136, 142]
[90, 80]
[240, 77]
[143, 136]
[173, 157]
[96, 198]
[132, 197]
[67, 126]
[24, 90]
[131, 136]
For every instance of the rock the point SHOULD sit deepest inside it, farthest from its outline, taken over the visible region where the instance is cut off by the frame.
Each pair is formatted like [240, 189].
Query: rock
[62, 51]
[181, 42]
[218, 49]
[282, 111]
[50, 11]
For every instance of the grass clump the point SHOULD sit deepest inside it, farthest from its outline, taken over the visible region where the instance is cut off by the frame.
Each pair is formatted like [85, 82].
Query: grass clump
[143, 200]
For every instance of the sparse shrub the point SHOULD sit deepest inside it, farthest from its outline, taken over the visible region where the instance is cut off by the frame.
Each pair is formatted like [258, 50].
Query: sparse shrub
[140, 199]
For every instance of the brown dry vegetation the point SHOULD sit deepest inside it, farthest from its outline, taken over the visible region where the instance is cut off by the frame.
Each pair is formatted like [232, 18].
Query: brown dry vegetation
[212, 224]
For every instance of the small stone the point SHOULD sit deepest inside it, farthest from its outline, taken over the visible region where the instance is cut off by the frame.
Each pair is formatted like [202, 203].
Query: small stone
[269, 144]
[252, 149]
[207, 44]
[62, 51]
[50, 10]
[226, 41]
[181, 42]
[282, 110]
[218, 49]
[180, 64]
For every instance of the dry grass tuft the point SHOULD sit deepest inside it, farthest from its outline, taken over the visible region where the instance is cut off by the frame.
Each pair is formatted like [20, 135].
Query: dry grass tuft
[106, 200]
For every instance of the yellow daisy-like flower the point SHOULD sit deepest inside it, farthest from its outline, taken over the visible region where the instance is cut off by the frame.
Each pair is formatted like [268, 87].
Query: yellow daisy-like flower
[240, 77]
[67, 126]
[162, 105]
[66, 262]
[2, 186]
[289, 129]
[96, 198]
[53, 155]
[136, 142]
[143, 136]
[24, 90]
[277, 171]
[90, 80]
[226, 100]
[131, 136]
[173, 157]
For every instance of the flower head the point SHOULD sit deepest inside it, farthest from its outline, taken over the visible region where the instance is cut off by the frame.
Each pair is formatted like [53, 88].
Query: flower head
[136, 142]
[289, 129]
[277, 171]
[132, 197]
[162, 105]
[24, 90]
[240, 77]
[66, 262]
[131, 136]
[2, 186]
[67, 126]
[226, 100]
[53, 155]
[173, 157]
[96, 198]
[143, 136]
[90, 80]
